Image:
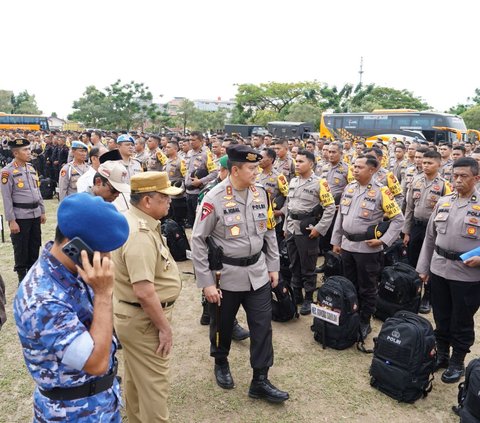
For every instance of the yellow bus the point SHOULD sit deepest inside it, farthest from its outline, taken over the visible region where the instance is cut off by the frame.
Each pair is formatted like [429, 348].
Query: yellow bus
[23, 122]
[399, 123]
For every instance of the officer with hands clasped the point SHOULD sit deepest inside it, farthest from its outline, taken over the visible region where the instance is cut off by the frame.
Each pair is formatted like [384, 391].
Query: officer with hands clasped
[63, 314]
[235, 223]
[357, 235]
[307, 198]
[453, 229]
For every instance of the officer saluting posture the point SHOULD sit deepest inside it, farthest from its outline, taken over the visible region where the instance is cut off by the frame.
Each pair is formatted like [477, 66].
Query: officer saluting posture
[237, 216]
[362, 207]
[307, 191]
[23, 204]
[454, 228]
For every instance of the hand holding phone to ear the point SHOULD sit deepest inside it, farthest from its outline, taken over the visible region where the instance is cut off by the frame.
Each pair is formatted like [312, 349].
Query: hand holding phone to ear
[99, 274]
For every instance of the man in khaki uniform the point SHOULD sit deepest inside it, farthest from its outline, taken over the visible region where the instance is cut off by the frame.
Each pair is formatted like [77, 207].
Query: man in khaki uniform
[72, 171]
[453, 229]
[125, 145]
[156, 158]
[237, 216]
[363, 204]
[422, 197]
[147, 283]
[23, 205]
[284, 163]
[176, 171]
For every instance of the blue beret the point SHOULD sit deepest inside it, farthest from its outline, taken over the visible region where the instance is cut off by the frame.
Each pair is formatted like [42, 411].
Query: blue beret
[79, 144]
[125, 138]
[92, 219]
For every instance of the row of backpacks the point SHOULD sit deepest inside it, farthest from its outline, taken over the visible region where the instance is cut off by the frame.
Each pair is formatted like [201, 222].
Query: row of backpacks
[404, 353]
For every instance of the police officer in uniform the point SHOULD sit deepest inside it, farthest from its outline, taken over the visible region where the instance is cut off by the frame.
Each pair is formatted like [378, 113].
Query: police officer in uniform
[23, 205]
[147, 283]
[236, 216]
[453, 229]
[63, 314]
[284, 162]
[126, 149]
[156, 158]
[72, 171]
[422, 197]
[176, 171]
[306, 192]
[363, 205]
[446, 170]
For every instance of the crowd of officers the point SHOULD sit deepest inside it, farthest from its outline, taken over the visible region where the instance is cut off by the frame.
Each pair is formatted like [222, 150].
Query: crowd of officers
[349, 196]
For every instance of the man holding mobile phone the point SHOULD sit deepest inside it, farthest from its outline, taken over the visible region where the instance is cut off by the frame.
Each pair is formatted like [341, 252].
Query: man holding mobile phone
[63, 314]
[147, 283]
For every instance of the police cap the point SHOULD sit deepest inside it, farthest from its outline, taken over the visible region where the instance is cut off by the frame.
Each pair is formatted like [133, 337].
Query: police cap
[18, 143]
[243, 154]
[79, 145]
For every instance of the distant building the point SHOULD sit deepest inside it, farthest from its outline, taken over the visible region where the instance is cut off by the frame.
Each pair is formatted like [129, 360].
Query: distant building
[56, 123]
[214, 105]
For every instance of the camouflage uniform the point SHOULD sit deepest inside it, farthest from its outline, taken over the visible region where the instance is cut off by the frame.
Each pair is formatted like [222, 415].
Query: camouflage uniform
[53, 310]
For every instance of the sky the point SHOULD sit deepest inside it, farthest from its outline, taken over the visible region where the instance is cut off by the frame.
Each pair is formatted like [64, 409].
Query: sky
[200, 49]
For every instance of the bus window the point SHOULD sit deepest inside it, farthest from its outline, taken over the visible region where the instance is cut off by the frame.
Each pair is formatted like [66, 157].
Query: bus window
[423, 122]
[367, 123]
[384, 123]
[440, 137]
[338, 123]
[400, 122]
[350, 122]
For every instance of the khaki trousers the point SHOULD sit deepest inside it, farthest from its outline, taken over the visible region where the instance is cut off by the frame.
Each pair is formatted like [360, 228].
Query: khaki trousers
[147, 375]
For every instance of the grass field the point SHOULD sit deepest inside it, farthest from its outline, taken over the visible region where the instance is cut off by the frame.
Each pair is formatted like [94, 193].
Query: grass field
[324, 385]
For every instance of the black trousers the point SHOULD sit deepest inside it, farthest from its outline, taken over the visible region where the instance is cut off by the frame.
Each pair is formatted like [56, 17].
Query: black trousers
[192, 200]
[325, 241]
[26, 244]
[417, 235]
[364, 270]
[258, 307]
[454, 305]
[303, 253]
[178, 210]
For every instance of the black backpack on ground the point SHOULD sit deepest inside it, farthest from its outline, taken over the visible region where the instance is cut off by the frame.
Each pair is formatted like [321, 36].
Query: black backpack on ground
[285, 273]
[47, 188]
[396, 253]
[399, 289]
[404, 357]
[283, 303]
[176, 239]
[338, 295]
[469, 394]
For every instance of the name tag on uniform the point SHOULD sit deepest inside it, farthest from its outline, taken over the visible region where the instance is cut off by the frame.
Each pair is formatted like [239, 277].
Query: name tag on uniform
[325, 314]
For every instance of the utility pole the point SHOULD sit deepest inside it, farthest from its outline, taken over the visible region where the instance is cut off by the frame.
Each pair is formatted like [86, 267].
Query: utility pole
[361, 70]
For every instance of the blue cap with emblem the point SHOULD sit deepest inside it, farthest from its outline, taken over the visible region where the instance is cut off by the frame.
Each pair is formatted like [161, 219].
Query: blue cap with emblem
[77, 145]
[92, 219]
[125, 138]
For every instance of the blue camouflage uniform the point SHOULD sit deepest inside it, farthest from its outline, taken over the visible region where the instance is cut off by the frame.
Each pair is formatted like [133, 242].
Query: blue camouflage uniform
[53, 310]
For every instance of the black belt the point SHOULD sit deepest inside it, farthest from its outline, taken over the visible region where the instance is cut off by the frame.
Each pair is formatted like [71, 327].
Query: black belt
[299, 216]
[356, 237]
[242, 261]
[164, 305]
[26, 205]
[419, 222]
[83, 391]
[450, 255]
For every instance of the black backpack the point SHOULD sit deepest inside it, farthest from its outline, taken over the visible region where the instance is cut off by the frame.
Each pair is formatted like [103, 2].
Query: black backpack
[337, 295]
[176, 239]
[285, 273]
[333, 264]
[396, 253]
[399, 289]
[283, 303]
[404, 357]
[47, 188]
[469, 394]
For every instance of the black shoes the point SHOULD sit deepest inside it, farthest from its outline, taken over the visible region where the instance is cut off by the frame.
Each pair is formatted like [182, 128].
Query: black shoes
[425, 306]
[442, 361]
[205, 318]
[262, 388]
[306, 308]
[223, 376]
[365, 329]
[454, 373]
[239, 333]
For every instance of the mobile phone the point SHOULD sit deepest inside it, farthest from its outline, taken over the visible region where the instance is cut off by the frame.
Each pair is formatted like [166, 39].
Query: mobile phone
[74, 247]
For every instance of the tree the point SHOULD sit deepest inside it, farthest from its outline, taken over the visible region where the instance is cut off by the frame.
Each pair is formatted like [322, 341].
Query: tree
[54, 115]
[472, 117]
[185, 114]
[25, 103]
[92, 109]
[305, 113]
[6, 103]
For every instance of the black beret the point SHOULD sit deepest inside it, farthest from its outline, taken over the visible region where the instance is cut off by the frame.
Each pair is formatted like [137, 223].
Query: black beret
[243, 154]
[377, 231]
[110, 155]
[18, 142]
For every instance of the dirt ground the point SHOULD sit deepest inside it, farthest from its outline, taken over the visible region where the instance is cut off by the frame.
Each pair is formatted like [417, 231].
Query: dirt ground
[324, 385]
